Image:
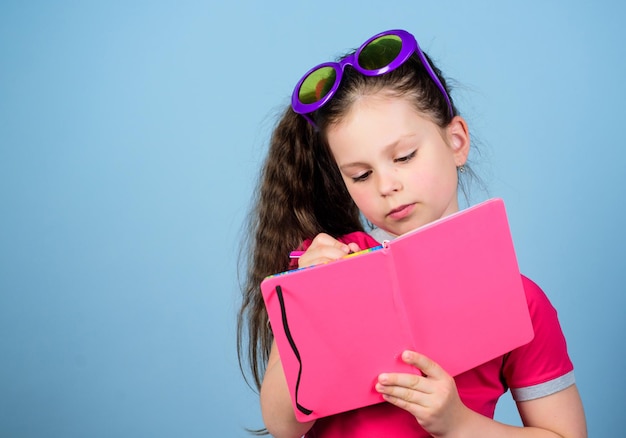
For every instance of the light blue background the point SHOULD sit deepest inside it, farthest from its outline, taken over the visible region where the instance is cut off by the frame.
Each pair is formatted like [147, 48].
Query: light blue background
[130, 137]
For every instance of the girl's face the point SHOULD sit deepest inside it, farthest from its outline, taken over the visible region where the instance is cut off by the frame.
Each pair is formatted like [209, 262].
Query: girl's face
[399, 167]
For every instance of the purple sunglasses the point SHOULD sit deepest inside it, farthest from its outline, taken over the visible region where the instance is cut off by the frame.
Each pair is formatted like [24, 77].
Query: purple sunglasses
[380, 54]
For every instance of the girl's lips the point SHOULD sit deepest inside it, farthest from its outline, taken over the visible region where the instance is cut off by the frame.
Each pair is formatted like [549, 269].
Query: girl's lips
[401, 212]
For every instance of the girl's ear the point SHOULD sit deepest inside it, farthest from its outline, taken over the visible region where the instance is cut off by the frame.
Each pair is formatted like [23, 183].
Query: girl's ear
[459, 139]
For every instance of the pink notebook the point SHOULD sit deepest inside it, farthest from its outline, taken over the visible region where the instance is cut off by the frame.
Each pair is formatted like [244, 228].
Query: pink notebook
[451, 290]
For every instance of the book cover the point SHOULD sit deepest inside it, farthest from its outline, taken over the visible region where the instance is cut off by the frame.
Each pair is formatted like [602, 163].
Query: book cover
[451, 290]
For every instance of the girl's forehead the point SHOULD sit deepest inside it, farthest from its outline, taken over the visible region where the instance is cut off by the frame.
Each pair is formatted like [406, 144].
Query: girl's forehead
[378, 114]
[376, 98]
[378, 105]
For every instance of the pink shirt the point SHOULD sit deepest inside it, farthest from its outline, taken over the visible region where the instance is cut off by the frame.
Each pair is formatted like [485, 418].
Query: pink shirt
[534, 370]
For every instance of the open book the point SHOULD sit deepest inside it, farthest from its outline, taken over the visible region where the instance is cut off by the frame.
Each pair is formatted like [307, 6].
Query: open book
[451, 290]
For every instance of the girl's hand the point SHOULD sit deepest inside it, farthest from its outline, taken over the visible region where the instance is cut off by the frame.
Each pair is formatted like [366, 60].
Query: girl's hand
[325, 248]
[432, 398]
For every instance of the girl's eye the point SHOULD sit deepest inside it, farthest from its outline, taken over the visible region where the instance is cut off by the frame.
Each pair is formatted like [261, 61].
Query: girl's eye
[361, 177]
[406, 157]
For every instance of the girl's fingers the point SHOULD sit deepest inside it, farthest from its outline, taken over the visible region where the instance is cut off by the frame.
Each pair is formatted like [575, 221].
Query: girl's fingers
[432, 397]
[411, 397]
[397, 384]
[324, 240]
[426, 365]
[401, 379]
[354, 247]
[325, 248]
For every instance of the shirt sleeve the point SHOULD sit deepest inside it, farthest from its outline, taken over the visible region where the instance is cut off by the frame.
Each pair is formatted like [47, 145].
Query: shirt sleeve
[543, 366]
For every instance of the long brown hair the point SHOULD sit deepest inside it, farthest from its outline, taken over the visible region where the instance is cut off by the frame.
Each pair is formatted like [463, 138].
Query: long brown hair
[300, 195]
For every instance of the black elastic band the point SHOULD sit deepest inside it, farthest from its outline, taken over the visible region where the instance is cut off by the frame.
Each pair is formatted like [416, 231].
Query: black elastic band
[283, 311]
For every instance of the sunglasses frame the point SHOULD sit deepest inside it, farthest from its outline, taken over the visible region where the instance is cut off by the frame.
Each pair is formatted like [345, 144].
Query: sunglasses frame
[409, 46]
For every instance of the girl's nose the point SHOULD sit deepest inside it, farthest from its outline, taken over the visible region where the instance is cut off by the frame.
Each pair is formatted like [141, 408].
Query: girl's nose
[389, 182]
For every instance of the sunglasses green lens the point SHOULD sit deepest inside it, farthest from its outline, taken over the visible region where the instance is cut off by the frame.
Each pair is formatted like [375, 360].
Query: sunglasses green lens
[317, 85]
[380, 52]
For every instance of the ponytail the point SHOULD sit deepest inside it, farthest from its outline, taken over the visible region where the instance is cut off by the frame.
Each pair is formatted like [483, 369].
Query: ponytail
[300, 194]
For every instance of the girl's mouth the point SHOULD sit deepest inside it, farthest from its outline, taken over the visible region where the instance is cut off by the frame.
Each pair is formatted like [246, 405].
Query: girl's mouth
[401, 212]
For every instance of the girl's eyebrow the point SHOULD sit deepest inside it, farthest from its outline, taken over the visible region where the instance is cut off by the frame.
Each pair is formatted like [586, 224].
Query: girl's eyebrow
[386, 148]
[348, 166]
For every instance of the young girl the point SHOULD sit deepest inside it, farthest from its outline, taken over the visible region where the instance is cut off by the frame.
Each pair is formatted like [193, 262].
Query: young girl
[377, 136]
